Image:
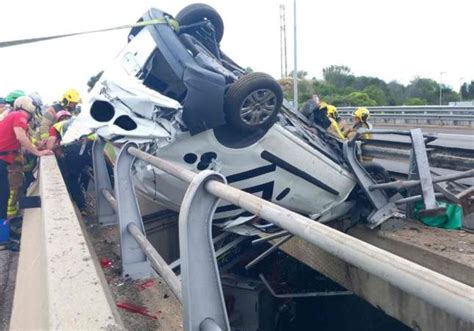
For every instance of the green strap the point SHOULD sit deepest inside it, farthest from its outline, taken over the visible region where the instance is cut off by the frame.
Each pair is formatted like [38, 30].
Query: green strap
[173, 23]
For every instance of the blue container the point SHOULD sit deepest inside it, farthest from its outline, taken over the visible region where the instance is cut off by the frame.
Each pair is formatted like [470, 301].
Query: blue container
[4, 231]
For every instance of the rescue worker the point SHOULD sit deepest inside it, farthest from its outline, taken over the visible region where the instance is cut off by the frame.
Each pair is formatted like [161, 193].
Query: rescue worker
[321, 114]
[73, 159]
[309, 107]
[57, 130]
[337, 125]
[15, 170]
[30, 161]
[14, 129]
[69, 101]
[360, 118]
[13, 95]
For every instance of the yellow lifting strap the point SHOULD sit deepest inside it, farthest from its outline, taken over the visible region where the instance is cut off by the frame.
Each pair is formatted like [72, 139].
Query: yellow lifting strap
[173, 23]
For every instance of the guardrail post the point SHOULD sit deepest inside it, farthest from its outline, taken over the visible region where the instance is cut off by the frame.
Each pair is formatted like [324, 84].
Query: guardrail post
[384, 209]
[134, 262]
[201, 285]
[423, 172]
[105, 213]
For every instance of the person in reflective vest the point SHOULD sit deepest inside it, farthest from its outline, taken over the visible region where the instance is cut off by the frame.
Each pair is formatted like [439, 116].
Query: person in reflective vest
[360, 119]
[69, 102]
[324, 115]
[73, 159]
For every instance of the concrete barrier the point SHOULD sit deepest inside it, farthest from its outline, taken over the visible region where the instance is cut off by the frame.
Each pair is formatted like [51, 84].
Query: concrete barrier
[58, 286]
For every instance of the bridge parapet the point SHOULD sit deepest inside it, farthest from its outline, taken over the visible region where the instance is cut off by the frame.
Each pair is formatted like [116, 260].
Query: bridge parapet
[58, 283]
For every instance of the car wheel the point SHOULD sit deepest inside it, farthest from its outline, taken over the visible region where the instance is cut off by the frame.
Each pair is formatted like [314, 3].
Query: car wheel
[253, 102]
[199, 12]
[380, 175]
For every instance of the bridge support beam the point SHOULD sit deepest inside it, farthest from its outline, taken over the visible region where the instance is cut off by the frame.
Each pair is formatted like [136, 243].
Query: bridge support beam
[404, 307]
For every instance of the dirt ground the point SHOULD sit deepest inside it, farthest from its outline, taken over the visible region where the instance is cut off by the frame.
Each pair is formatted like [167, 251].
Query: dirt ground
[151, 296]
[457, 245]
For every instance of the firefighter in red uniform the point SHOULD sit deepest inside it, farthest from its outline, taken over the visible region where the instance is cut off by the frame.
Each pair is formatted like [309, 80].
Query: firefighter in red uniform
[14, 135]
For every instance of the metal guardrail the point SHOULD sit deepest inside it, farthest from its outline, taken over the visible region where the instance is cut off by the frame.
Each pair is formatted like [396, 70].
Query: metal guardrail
[434, 115]
[202, 298]
[439, 110]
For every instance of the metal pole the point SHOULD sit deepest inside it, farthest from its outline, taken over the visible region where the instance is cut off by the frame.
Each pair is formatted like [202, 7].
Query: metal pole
[158, 263]
[168, 167]
[446, 293]
[281, 41]
[209, 325]
[441, 87]
[270, 237]
[403, 184]
[111, 199]
[268, 252]
[295, 52]
[302, 295]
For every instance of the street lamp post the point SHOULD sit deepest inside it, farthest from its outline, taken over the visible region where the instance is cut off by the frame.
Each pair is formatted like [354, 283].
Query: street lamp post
[441, 87]
[295, 69]
[460, 88]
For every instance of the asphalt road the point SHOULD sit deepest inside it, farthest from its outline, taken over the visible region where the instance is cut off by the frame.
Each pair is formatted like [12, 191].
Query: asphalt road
[464, 141]
[431, 129]
[8, 267]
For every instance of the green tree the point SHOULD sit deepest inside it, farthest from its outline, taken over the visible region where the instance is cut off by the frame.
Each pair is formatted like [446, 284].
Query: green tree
[395, 93]
[338, 75]
[415, 102]
[359, 99]
[305, 90]
[323, 89]
[352, 99]
[423, 88]
[449, 95]
[300, 74]
[377, 94]
[467, 91]
[362, 82]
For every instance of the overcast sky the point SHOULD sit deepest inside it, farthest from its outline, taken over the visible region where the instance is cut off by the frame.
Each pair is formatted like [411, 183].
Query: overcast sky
[392, 40]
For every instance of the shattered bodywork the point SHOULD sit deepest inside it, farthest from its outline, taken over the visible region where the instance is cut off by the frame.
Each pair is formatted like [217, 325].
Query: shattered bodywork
[285, 163]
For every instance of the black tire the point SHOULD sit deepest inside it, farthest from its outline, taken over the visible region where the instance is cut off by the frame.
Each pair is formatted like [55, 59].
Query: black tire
[262, 97]
[378, 173]
[199, 12]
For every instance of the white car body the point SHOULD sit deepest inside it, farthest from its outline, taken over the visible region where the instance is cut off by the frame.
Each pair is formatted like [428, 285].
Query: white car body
[279, 166]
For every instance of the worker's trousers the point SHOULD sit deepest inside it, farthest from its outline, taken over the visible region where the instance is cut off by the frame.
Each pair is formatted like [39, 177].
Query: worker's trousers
[4, 189]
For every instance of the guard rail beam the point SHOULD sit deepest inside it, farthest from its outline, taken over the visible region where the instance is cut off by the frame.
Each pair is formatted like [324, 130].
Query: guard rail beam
[421, 115]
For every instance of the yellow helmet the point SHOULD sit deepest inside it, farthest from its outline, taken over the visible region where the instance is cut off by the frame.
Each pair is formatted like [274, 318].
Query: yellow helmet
[361, 113]
[332, 112]
[70, 96]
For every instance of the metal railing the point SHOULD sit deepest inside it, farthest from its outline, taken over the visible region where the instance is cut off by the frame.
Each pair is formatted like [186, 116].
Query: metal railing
[202, 298]
[434, 115]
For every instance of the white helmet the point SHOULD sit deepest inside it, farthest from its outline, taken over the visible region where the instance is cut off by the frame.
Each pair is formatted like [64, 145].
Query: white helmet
[25, 103]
